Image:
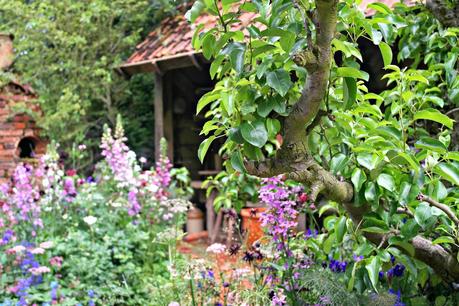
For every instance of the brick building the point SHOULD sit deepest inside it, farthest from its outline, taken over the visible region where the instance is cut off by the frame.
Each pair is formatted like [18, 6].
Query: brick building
[19, 135]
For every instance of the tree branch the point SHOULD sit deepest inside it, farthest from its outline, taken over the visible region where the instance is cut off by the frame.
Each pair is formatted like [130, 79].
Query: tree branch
[445, 208]
[434, 255]
[447, 15]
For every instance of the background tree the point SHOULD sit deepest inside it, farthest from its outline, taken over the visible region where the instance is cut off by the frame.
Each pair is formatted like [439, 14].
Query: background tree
[293, 100]
[69, 50]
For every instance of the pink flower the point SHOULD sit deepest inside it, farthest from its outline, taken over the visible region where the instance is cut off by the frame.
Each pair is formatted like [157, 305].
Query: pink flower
[46, 245]
[38, 251]
[39, 270]
[71, 172]
[56, 261]
[16, 249]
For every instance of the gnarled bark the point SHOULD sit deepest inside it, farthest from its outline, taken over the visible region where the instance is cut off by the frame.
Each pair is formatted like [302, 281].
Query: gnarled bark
[447, 15]
[294, 159]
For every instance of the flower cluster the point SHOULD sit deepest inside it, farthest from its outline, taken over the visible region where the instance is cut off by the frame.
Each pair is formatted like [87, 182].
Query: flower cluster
[281, 217]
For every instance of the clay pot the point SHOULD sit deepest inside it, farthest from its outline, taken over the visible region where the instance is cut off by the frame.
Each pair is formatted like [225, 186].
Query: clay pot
[195, 221]
[251, 224]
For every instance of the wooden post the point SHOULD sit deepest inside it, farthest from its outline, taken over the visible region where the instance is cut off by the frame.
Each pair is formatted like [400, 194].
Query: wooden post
[169, 115]
[159, 114]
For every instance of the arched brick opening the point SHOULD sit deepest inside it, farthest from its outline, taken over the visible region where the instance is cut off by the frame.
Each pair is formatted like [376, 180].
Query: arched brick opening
[26, 147]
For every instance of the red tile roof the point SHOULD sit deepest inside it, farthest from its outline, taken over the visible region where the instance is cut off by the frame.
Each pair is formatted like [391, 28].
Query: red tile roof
[172, 38]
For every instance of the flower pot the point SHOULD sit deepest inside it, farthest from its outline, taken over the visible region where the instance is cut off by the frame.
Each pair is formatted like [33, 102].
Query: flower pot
[195, 221]
[251, 224]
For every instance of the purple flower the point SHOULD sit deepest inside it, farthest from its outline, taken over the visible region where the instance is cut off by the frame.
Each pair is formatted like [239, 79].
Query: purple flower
[381, 275]
[357, 258]
[135, 206]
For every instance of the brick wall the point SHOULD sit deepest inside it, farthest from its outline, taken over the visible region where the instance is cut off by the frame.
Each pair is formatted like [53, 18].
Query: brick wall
[18, 132]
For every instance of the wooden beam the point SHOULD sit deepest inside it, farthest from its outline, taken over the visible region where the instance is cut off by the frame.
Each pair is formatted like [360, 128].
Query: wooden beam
[159, 114]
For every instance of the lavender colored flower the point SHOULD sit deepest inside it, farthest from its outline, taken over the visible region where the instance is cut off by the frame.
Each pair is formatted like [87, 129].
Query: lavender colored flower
[133, 201]
[279, 298]
[7, 236]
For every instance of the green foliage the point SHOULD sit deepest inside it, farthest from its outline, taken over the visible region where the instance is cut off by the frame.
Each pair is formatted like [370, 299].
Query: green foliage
[392, 145]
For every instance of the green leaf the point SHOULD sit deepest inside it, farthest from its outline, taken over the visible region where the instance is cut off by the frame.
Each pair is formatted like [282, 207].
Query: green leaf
[411, 160]
[349, 92]
[204, 146]
[195, 11]
[386, 181]
[265, 107]
[431, 144]
[338, 162]
[448, 171]
[236, 52]
[370, 192]
[340, 229]
[273, 126]
[237, 162]
[206, 99]
[453, 156]
[373, 269]
[208, 44]
[386, 53]
[351, 72]
[368, 160]
[434, 115]
[280, 81]
[358, 178]
[422, 215]
[443, 239]
[255, 133]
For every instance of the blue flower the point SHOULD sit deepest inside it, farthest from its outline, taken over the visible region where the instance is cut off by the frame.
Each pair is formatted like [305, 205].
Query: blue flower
[381, 275]
[91, 293]
[392, 258]
[311, 233]
[399, 269]
[210, 273]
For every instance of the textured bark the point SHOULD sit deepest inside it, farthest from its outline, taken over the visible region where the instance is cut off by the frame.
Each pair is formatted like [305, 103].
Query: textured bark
[447, 15]
[294, 160]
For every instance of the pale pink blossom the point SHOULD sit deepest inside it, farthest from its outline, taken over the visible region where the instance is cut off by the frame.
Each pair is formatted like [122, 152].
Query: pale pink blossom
[16, 249]
[38, 251]
[46, 245]
[216, 248]
[39, 270]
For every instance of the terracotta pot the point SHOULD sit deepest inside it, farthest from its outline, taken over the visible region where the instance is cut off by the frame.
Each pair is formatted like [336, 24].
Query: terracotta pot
[251, 224]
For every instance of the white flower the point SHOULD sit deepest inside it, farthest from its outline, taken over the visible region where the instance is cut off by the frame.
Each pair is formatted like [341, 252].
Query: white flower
[82, 147]
[216, 248]
[90, 220]
[174, 304]
[143, 160]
